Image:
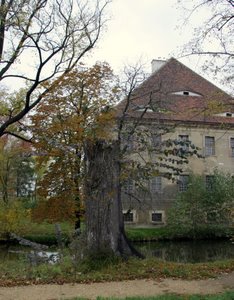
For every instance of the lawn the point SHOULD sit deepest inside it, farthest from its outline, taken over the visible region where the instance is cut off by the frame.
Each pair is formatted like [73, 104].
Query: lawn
[225, 296]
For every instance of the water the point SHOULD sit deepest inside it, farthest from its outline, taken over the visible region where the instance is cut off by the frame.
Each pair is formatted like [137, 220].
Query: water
[188, 251]
[14, 252]
[176, 251]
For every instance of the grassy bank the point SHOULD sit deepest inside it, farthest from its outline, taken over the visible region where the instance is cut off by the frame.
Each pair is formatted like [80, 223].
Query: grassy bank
[21, 272]
[167, 233]
[16, 272]
[45, 233]
[223, 296]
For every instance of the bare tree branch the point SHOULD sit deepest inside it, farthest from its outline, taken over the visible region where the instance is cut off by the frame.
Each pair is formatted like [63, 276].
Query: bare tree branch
[55, 33]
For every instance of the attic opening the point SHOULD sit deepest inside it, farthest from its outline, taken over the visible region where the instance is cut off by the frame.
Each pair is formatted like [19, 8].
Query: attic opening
[227, 114]
[186, 93]
[146, 108]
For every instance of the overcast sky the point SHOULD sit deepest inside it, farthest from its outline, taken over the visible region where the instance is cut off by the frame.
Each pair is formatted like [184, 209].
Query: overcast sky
[145, 30]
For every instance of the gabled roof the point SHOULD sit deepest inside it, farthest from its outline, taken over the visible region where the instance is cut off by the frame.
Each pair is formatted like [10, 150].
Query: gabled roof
[176, 93]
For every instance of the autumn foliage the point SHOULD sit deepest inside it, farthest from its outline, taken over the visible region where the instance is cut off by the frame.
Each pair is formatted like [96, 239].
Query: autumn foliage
[73, 115]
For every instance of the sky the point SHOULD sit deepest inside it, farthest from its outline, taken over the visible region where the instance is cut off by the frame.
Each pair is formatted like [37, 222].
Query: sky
[143, 30]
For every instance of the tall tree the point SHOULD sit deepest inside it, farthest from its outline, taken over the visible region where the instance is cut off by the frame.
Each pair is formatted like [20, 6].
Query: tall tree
[68, 119]
[48, 38]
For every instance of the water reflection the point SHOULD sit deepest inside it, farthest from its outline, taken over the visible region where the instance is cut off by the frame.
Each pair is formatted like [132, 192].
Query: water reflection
[176, 251]
[15, 252]
[188, 251]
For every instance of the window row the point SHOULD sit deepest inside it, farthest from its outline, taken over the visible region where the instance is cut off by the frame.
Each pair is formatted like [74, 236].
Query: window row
[155, 184]
[184, 181]
[155, 217]
[209, 143]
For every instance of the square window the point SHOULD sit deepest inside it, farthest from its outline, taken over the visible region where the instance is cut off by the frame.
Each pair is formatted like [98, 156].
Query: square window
[157, 217]
[209, 146]
[129, 216]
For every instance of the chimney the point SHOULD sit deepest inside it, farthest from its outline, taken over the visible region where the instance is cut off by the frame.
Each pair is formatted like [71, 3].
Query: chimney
[156, 64]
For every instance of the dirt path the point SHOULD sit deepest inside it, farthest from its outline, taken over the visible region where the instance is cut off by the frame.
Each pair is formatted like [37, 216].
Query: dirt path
[119, 289]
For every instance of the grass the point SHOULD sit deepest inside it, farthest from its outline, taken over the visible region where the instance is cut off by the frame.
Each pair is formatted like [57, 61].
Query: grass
[44, 233]
[224, 296]
[15, 272]
[167, 233]
[20, 272]
[137, 234]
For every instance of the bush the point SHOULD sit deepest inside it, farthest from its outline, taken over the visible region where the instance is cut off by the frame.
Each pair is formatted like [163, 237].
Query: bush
[202, 211]
[13, 218]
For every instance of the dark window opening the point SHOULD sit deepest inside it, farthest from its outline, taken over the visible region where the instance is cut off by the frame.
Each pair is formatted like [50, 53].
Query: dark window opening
[186, 93]
[156, 217]
[128, 216]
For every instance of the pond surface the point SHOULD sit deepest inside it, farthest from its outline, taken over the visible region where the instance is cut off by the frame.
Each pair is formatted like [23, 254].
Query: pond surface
[188, 251]
[175, 251]
[15, 252]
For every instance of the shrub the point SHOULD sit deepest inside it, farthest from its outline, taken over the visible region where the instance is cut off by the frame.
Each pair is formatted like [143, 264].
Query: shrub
[200, 209]
[13, 218]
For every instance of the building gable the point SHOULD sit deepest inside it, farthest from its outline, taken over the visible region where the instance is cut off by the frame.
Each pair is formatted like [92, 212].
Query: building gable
[176, 93]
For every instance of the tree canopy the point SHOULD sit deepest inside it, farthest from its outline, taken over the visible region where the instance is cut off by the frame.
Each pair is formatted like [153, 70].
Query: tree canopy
[41, 41]
[69, 119]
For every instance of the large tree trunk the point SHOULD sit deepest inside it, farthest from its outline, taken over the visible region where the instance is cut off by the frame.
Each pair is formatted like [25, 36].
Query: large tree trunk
[104, 219]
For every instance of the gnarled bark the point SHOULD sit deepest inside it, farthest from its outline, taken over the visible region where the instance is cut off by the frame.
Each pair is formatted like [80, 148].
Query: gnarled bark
[104, 219]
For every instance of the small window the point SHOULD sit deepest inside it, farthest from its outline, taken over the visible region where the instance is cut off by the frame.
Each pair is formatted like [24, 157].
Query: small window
[183, 183]
[156, 184]
[156, 140]
[232, 146]
[228, 114]
[184, 140]
[129, 186]
[186, 93]
[157, 217]
[209, 146]
[129, 216]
